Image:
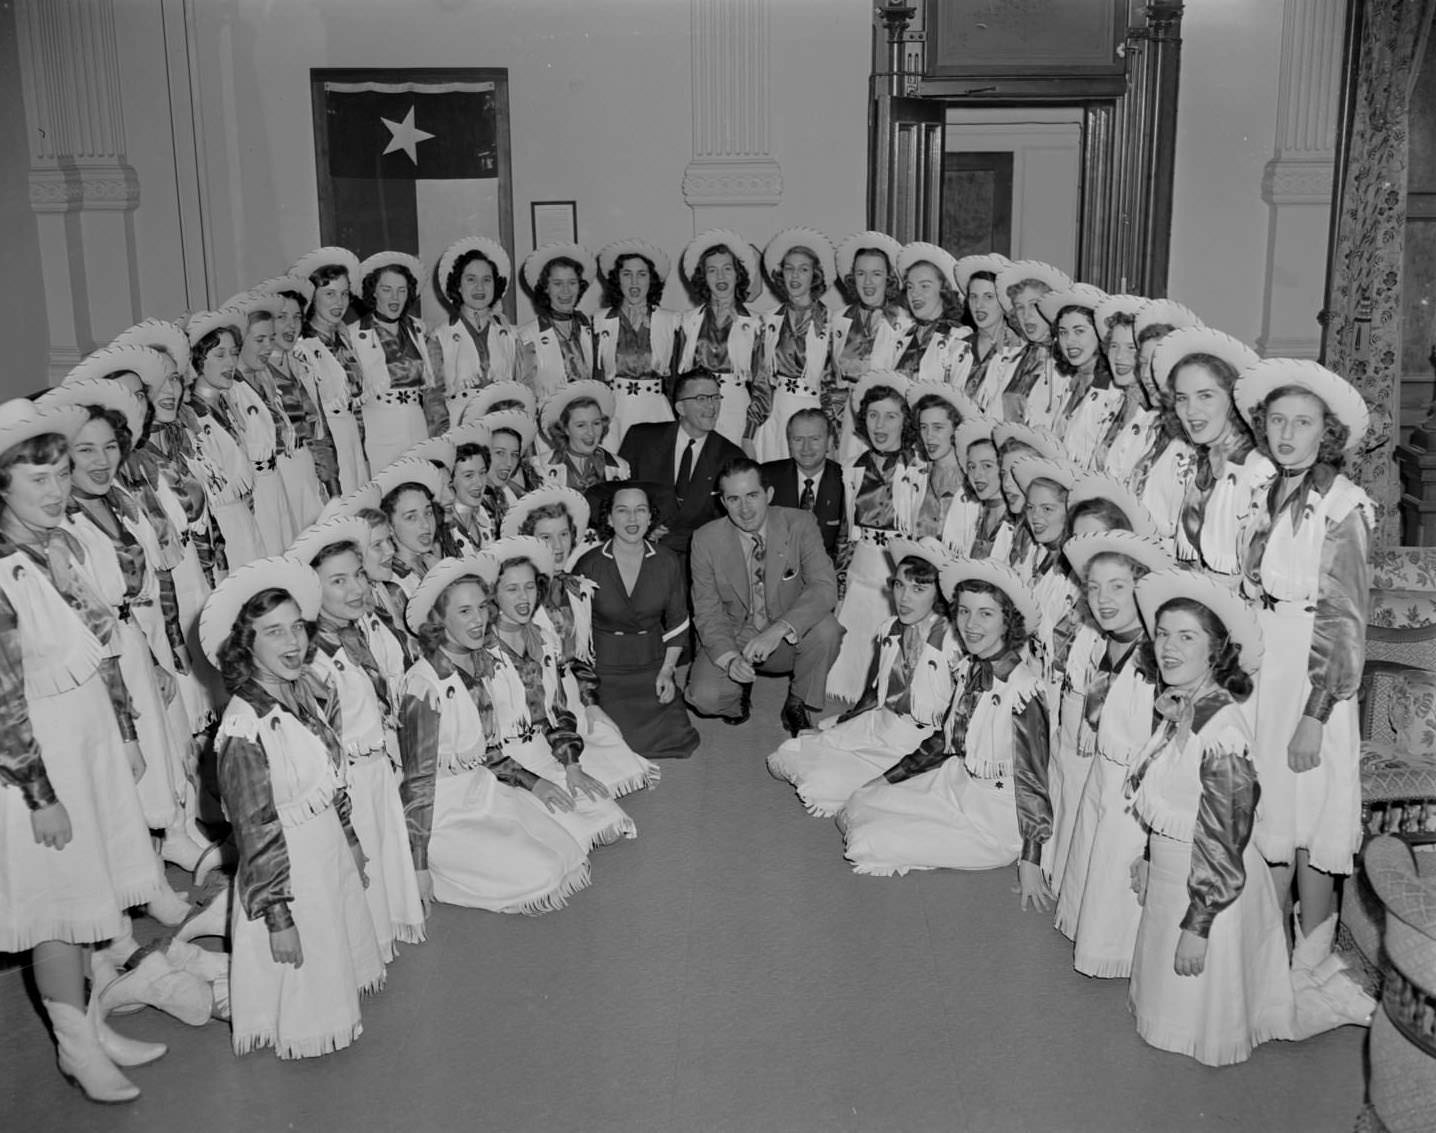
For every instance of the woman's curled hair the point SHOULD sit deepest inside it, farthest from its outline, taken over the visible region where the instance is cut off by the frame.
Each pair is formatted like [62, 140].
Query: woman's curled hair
[1225, 657]
[236, 654]
[1014, 626]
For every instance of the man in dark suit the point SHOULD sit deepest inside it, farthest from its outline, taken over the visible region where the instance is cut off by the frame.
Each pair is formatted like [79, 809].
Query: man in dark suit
[685, 455]
[763, 596]
[808, 479]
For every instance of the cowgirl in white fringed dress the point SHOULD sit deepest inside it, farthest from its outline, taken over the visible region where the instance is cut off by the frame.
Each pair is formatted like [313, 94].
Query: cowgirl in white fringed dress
[933, 346]
[1210, 976]
[481, 827]
[980, 800]
[302, 945]
[1096, 907]
[1307, 561]
[905, 702]
[866, 333]
[347, 652]
[393, 354]
[477, 346]
[635, 335]
[255, 408]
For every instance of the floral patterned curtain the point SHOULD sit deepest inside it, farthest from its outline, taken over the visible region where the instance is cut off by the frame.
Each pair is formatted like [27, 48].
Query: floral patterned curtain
[1363, 329]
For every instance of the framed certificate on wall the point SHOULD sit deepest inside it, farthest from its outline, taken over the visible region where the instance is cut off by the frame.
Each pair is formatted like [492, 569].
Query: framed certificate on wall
[554, 222]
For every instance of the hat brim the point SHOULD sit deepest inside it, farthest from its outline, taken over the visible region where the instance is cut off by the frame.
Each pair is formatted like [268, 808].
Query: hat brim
[847, 251]
[1031, 468]
[933, 553]
[890, 379]
[1098, 486]
[330, 256]
[1166, 313]
[157, 334]
[1114, 305]
[1033, 271]
[381, 260]
[522, 547]
[204, 323]
[1258, 382]
[440, 577]
[1082, 549]
[540, 258]
[575, 391]
[996, 574]
[409, 470]
[483, 402]
[1048, 444]
[968, 266]
[610, 255]
[1078, 295]
[1240, 621]
[106, 395]
[705, 242]
[63, 420]
[572, 500]
[222, 607]
[811, 239]
[970, 432]
[491, 250]
[921, 252]
[1181, 344]
[145, 361]
[440, 448]
[325, 533]
[524, 426]
[953, 395]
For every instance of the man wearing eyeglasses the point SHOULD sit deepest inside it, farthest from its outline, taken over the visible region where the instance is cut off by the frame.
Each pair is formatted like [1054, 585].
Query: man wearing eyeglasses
[685, 454]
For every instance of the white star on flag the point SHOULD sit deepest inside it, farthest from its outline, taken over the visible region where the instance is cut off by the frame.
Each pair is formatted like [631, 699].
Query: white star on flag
[405, 136]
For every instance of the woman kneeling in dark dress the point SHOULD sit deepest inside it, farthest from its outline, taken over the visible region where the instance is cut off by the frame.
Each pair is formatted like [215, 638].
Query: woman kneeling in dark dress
[640, 621]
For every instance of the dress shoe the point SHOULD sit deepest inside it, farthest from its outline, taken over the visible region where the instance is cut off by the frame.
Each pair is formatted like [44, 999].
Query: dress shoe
[745, 707]
[795, 717]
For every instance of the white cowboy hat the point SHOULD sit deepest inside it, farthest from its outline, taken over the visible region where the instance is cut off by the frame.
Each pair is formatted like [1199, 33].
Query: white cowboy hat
[540, 258]
[1042, 441]
[610, 254]
[491, 250]
[848, 250]
[222, 607]
[408, 470]
[157, 334]
[440, 449]
[899, 383]
[1114, 305]
[1030, 468]
[968, 266]
[253, 300]
[522, 547]
[743, 252]
[1166, 313]
[1100, 486]
[104, 394]
[1082, 295]
[1034, 271]
[972, 430]
[520, 423]
[440, 577]
[800, 237]
[1180, 344]
[929, 550]
[325, 533]
[1257, 382]
[364, 497]
[1082, 549]
[1240, 621]
[329, 256]
[483, 402]
[202, 323]
[145, 361]
[282, 283]
[381, 260]
[921, 252]
[21, 419]
[574, 391]
[997, 574]
[573, 502]
[966, 408]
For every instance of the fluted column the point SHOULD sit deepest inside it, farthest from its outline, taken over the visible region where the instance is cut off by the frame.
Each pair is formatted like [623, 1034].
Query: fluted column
[1298, 181]
[82, 189]
[732, 166]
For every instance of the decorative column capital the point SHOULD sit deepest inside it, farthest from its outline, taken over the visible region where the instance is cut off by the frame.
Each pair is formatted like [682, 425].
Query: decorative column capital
[1299, 181]
[70, 188]
[719, 181]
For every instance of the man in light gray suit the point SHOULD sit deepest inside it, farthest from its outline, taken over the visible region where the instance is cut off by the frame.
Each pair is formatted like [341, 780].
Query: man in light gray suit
[763, 594]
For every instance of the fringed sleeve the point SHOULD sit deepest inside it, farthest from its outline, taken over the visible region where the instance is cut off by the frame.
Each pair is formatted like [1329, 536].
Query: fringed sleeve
[262, 878]
[1224, 826]
[419, 750]
[1030, 751]
[1338, 639]
[21, 765]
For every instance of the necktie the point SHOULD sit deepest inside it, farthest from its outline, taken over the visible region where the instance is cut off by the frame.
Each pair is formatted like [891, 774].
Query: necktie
[685, 471]
[757, 594]
[807, 499]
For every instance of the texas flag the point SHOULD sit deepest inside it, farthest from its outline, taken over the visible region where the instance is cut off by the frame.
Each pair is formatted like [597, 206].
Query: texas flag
[411, 166]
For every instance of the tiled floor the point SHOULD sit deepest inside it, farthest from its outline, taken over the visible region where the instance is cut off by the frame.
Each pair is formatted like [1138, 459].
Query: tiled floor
[726, 971]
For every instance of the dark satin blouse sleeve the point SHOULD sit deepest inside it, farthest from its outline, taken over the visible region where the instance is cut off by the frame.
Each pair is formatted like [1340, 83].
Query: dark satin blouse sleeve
[262, 879]
[119, 698]
[21, 765]
[1030, 752]
[1338, 640]
[932, 752]
[419, 751]
[1224, 826]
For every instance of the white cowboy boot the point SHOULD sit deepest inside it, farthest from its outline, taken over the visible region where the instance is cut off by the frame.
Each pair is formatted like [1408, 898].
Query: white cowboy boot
[81, 1059]
[151, 981]
[208, 966]
[211, 920]
[167, 906]
[120, 1049]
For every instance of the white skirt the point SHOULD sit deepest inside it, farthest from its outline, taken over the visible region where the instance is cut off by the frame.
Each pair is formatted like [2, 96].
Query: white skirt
[78, 894]
[864, 608]
[314, 1009]
[593, 822]
[827, 766]
[390, 431]
[301, 487]
[1067, 776]
[243, 541]
[636, 401]
[942, 819]
[770, 442]
[348, 450]
[1243, 996]
[377, 815]
[1096, 908]
[161, 788]
[271, 512]
[733, 413]
[1320, 809]
[606, 754]
[496, 847]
